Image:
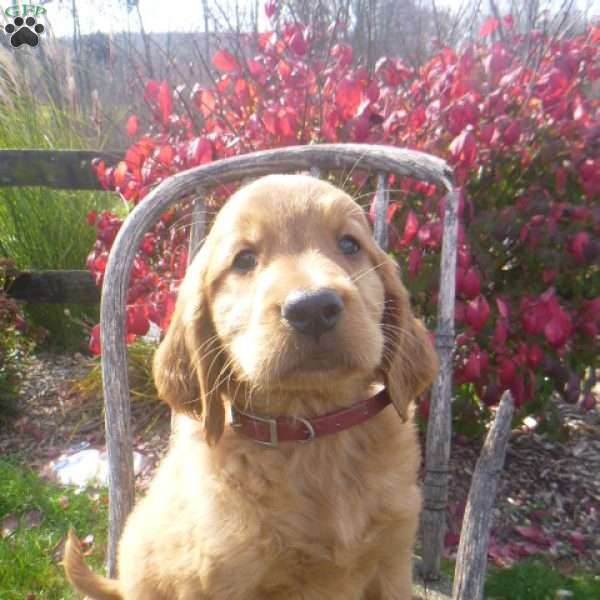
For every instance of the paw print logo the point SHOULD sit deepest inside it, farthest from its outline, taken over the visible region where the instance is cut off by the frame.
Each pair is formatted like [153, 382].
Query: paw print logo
[24, 31]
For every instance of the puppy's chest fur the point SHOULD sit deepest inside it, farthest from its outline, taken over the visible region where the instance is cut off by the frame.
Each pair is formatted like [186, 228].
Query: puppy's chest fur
[271, 513]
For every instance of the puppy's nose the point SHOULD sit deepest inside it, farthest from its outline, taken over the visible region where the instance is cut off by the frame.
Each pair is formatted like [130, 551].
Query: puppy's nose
[312, 312]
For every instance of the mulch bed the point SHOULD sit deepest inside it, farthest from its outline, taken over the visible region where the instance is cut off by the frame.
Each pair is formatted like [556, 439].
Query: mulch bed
[548, 499]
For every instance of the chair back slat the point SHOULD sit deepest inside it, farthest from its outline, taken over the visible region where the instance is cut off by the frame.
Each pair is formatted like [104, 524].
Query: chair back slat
[439, 425]
[382, 202]
[198, 227]
[379, 159]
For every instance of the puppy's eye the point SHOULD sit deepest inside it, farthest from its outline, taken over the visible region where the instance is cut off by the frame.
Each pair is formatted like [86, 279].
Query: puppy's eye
[245, 261]
[348, 245]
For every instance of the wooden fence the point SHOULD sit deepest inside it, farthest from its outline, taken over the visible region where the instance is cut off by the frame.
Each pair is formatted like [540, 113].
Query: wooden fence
[58, 169]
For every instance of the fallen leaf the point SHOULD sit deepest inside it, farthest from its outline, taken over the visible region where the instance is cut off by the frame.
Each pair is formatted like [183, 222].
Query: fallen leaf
[59, 550]
[533, 534]
[33, 518]
[9, 525]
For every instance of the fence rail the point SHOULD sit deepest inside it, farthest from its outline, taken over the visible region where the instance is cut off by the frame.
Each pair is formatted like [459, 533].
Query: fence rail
[58, 169]
[54, 287]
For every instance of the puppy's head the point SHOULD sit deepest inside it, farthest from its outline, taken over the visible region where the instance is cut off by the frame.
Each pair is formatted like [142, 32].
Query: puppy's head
[289, 292]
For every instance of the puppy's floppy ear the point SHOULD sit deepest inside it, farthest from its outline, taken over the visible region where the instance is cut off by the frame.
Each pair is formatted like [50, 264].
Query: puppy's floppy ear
[189, 361]
[410, 362]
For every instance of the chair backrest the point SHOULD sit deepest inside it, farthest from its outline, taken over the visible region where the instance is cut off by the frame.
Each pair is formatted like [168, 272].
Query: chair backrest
[382, 160]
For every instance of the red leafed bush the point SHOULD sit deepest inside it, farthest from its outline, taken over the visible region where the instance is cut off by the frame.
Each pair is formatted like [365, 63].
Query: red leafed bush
[520, 126]
[16, 341]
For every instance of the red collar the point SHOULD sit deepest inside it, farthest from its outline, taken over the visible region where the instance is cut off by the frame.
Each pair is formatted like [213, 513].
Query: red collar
[272, 430]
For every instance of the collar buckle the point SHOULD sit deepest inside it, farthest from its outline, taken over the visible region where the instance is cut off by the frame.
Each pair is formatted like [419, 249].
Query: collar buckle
[273, 440]
[272, 423]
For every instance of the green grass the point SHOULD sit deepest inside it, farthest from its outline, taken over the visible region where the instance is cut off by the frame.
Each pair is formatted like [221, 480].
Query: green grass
[43, 228]
[139, 369]
[29, 558]
[537, 580]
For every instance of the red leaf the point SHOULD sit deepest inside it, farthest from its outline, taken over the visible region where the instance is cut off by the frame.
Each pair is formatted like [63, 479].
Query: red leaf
[284, 70]
[270, 120]
[512, 133]
[120, 173]
[393, 72]
[535, 356]
[411, 228]
[558, 330]
[471, 284]
[348, 96]
[588, 402]
[199, 151]
[287, 124]
[298, 44]
[8, 525]
[424, 409]
[256, 68]
[508, 21]
[472, 370]
[165, 102]
[205, 102]
[486, 132]
[225, 61]
[490, 26]
[361, 129]
[491, 396]
[500, 333]
[132, 125]
[502, 307]
[478, 311]
[136, 322]
[270, 8]
[165, 154]
[343, 52]
[414, 261]
[495, 64]
[417, 118]
[151, 92]
[578, 245]
[95, 340]
[463, 148]
[148, 245]
[533, 534]
[506, 372]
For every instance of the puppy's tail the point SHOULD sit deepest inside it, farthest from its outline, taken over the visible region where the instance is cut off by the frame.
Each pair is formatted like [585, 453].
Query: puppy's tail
[83, 579]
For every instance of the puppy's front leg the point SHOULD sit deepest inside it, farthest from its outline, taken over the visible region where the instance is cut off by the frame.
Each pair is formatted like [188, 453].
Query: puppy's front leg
[393, 575]
[393, 580]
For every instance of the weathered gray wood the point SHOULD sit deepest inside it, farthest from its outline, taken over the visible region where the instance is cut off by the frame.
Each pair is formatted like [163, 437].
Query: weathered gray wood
[382, 202]
[437, 453]
[61, 169]
[198, 228]
[471, 561]
[142, 218]
[54, 287]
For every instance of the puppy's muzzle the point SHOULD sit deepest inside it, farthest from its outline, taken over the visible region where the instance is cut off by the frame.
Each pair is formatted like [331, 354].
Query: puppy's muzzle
[312, 312]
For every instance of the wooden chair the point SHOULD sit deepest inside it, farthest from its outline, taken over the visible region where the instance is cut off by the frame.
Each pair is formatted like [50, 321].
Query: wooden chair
[382, 160]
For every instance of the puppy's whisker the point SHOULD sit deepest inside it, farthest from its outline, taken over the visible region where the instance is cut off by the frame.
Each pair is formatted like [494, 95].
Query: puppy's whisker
[365, 272]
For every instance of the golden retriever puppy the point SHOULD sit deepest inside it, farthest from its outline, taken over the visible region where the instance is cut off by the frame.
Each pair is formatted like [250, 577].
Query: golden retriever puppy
[289, 477]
